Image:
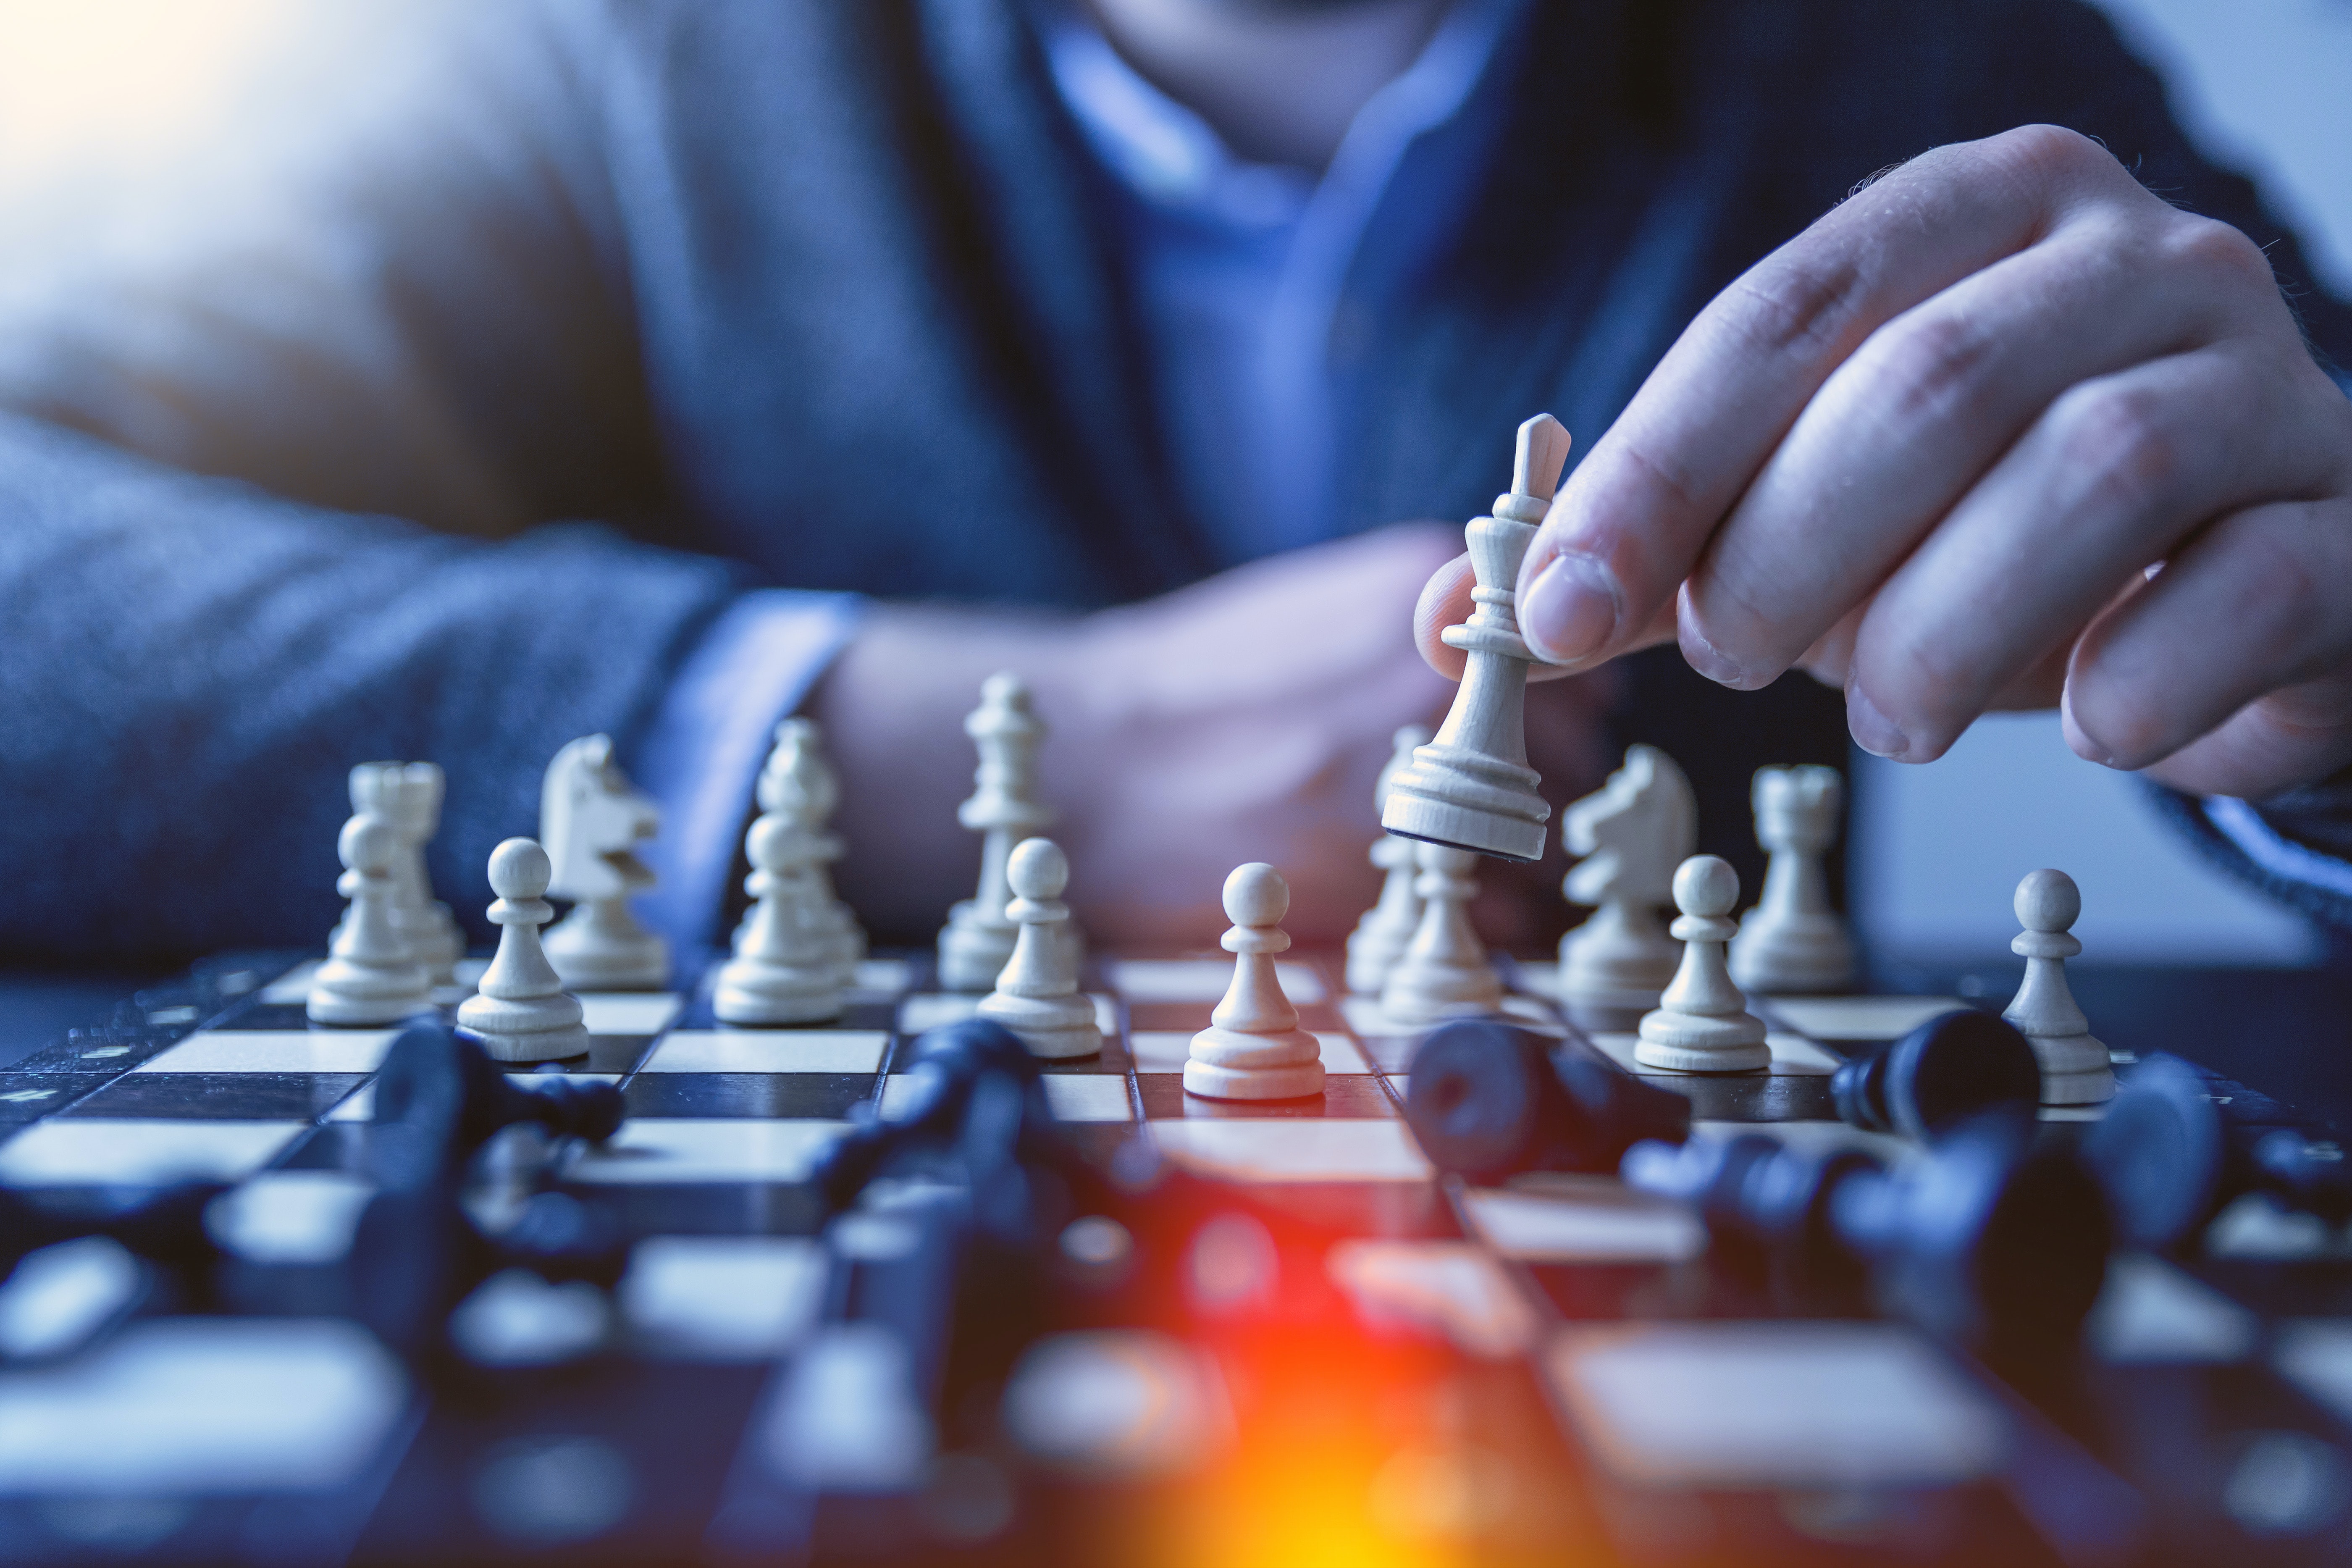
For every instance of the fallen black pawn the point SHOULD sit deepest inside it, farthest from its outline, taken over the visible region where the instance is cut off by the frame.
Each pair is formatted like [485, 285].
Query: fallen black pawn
[2171, 1158]
[444, 1087]
[1981, 1238]
[1487, 1101]
[947, 1069]
[1948, 1069]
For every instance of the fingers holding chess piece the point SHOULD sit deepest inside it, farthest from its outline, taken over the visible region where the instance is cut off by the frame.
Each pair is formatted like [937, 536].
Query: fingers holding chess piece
[1702, 1023]
[1471, 787]
[1036, 996]
[1381, 938]
[521, 1012]
[371, 976]
[2075, 1068]
[592, 819]
[1443, 972]
[1253, 1047]
[1792, 942]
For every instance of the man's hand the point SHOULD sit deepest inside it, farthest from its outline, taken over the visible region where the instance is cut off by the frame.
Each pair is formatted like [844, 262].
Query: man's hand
[2002, 429]
[1245, 718]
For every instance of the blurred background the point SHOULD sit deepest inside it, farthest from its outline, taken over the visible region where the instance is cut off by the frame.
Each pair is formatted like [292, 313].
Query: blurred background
[1938, 850]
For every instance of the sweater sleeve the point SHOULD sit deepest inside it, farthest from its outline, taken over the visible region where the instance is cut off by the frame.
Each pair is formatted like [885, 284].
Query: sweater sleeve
[297, 407]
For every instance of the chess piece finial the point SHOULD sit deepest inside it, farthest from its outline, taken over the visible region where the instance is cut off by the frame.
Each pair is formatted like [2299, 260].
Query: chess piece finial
[370, 975]
[1702, 1023]
[2075, 1070]
[978, 940]
[1253, 1047]
[1632, 833]
[787, 964]
[1036, 996]
[798, 782]
[1381, 938]
[1792, 942]
[521, 1012]
[592, 819]
[1443, 972]
[1471, 787]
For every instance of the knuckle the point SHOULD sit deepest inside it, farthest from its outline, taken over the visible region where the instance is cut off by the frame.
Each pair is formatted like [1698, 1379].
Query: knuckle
[1798, 308]
[2117, 444]
[1930, 368]
[2213, 248]
[2051, 152]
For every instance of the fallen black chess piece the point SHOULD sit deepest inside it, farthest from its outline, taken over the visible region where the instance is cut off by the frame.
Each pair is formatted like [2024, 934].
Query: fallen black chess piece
[1951, 1068]
[450, 1097]
[1487, 1099]
[1982, 1238]
[2172, 1155]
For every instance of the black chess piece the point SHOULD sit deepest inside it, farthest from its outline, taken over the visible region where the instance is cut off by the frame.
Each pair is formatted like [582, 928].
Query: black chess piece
[1982, 1239]
[1487, 1099]
[934, 1118]
[445, 1087]
[2171, 1158]
[163, 1227]
[1954, 1066]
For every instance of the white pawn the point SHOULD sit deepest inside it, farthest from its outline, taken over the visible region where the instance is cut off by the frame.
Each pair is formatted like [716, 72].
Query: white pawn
[1702, 1024]
[592, 819]
[798, 782]
[521, 1012]
[787, 964]
[1443, 972]
[1253, 1047]
[1633, 832]
[1381, 938]
[1036, 996]
[977, 942]
[369, 976]
[1792, 941]
[2075, 1070]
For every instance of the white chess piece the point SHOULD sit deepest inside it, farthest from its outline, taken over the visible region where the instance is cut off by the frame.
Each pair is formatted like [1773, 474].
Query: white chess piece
[1702, 1024]
[1633, 832]
[2074, 1066]
[1471, 786]
[1381, 938]
[787, 964]
[591, 818]
[521, 1012]
[370, 975]
[798, 782]
[1253, 1047]
[1036, 996]
[408, 796]
[978, 940]
[1443, 972]
[1792, 941]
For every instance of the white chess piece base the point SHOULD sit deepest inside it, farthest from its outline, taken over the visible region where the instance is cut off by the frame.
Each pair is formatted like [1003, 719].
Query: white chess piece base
[973, 951]
[1055, 1027]
[599, 946]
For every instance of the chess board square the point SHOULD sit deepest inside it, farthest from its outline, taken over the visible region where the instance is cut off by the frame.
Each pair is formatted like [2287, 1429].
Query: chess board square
[1452, 1287]
[1364, 1015]
[1165, 1051]
[629, 1013]
[234, 1097]
[2150, 1311]
[1812, 1136]
[1793, 1056]
[793, 1096]
[770, 1050]
[1302, 1150]
[28, 1097]
[1583, 1219]
[94, 1151]
[2315, 1355]
[1745, 1405]
[1859, 1017]
[929, 1010]
[276, 1051]
[360, 1104]
[1201, 979]
[1072, 1097]
[723, 1296]
[1347, 1096]
[291, 1216]
[700, 1149]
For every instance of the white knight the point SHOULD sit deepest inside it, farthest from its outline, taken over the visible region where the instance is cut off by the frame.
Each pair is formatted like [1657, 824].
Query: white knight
[1634, 833]
[590, 820]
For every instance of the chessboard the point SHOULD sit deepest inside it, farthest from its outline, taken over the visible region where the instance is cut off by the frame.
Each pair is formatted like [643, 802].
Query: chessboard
[1374, 1362]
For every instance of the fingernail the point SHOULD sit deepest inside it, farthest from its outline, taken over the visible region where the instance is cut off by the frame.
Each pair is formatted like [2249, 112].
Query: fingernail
[1713, 663]
[1570, 610]
[1873, 731]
